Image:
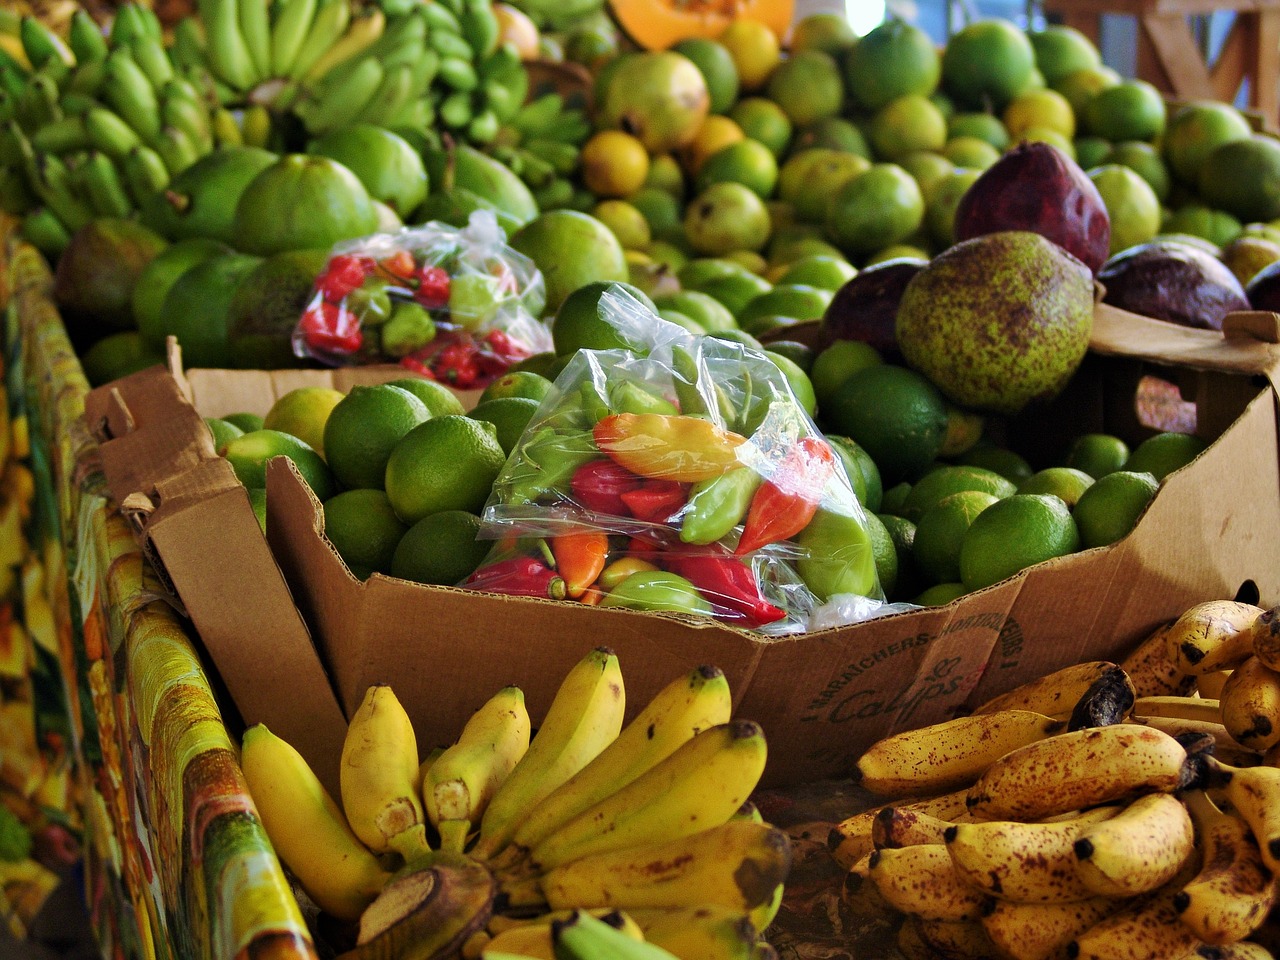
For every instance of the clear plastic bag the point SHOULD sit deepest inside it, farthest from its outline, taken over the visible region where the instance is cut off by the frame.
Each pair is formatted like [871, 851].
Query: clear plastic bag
[679, 475]
[455, 304]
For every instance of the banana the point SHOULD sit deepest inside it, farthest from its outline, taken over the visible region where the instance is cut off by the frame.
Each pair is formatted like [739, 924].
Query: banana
[1234, 891]
[176, 149]
[129, 93]
[688, 705]
[1200, 735]
[255, 27]
[1079, 769]
[342, 105]
[61, 136]
[458, 74]
[459, 785]
[737, 865]
[44, 231]
[332, 17]
[953, 939]
[1041, 931]
[288, 31]
[1266, 637]
[1254, 795]
[449, 45]
[1178, 708]
[225, 49]
[852, 839]
[901, 827]
[54, 187]
[307, 829]
[359, 35]
[188, 48]
[538, 114]
[15, 196]
[1151, 668]
[390, 97]
[144, 173]
[922, 881]
[255, 126]
[584, 937]
[402, 41]
[177, 110]
[584, 717]
[88, 45]
[706, 931]
[563, 157]
[1209, 685]
[950, 754]
[104, 186]
[440, 19]
[150, 56]
[1243, 950]
[860, 897]
[38, 104]
[1137, 850]
[1146, 929]
[1213, 635]
[42, 46]
[455, 110]
[379, 775]
[1023, 862]
[1055, 694]
[699, 786]
[128, 24]
[530, 940]
[1250, 704]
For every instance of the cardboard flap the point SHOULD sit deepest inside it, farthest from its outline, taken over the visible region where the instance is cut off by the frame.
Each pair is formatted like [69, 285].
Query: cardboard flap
[1118, 332]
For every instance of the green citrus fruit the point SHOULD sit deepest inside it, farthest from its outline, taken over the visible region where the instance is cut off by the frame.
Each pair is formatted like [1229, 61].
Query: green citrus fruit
[1014, 533]
[364, 427]
[440, 549]
[445, 463]
[1110, 508]
[363, 529]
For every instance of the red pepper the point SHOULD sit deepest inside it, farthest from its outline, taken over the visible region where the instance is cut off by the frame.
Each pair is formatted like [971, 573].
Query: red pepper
[456, 365]
[725, 581]
[417, 366]
[599, 486]
[344, 274]
[786, 502]
[518, 577]
[655, 501]
[433, 287]
[329, 328]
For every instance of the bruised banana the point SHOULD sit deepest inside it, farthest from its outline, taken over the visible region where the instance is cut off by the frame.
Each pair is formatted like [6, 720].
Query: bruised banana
[1250, 704]
[1211, 636]
[458, 785]
[1024, 862]
[306, 828]
[1079, 769]
[1202, 731]
[1254, 794]
[903, 827]
[1147, 929]
[1234, 891]
[852, 839]
[1139, 849]
[584, 717]
[1055, 694]
[958, 939]
[922, 881]
[1265, 634]
[1041, 931]
[379, 776]
[1153, 671]
[950, 754]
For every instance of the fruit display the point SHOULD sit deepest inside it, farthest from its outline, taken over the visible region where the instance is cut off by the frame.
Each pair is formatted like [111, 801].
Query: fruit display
[506, 843]
[1103, 810]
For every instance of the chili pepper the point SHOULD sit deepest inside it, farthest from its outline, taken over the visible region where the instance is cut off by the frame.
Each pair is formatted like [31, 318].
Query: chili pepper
[656, 590]
[626, 396]
[690, 389]
[718, 505]
[518, 577]
[343, 274]
[433, 287]
[599, 486]
[456, 364]
[726, 581]
[620, 569]
[655, 501]
[580, 556]
[417, 366]
[592, 596]
[329, 328]
[787, 501]
[836, 556]
[546, 465]
[594, 402]
[668, 446]
[399, 265]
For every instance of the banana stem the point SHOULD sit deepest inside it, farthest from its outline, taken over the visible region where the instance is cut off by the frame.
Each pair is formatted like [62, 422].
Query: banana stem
[453, 835]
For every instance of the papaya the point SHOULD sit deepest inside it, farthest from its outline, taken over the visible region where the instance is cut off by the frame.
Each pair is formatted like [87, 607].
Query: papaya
[659, 24]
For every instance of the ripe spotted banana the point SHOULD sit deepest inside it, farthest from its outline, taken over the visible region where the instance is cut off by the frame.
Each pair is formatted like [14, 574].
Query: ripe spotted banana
[1200, 732]
[922, 881]
[953, 939]
[1079, 769]
[1153, 671]
[1178, 708]
[1055, 694]
[1266, 637]
[903, 827]
[951, 754]
[715, 933]
[1213, 635]
[851, 839]
[584, 937]
[1041, 931]
[1254, 794]
[1137, 850]
[1147, 929]
[1250, 704]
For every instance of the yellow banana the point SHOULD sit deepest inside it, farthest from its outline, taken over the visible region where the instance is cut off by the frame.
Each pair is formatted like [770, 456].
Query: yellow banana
[1137, 850]
[1254, 794]
[1041, 931]
[701, 785]
[737, 865]
[1147, 929]
[379, 776]
[954, 939]
[950, 754]
[902, 827]
[1079, 769]
[255, 126]
[306, 828]
[922, 881]
[1178, 708]
[583, 936]
[1213, 635]
[1251, 704]
[459, 784]
[695, 702]
[851, 839]
[1243, 950]
[1203, 732]
[1234, 891]
[527, 940]
[1023, 862]
[706, 931]
[1266, 637]
[584, 717]
[1209, 685]
[1153, 671]
[362, 31]
[860, 897]
[1055, 694]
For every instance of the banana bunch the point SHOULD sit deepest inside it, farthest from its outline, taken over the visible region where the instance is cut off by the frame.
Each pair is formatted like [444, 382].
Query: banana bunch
[97, 123]
[591, 838]
[1102, 811]
[542, 144]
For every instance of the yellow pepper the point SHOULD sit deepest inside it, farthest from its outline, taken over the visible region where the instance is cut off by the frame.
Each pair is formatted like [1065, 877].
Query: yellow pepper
[668, 446]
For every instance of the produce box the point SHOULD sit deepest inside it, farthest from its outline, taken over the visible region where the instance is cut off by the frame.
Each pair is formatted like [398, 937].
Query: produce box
[823, 697]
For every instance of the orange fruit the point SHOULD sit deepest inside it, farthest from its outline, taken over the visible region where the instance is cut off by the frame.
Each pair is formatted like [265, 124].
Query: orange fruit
[1039, 108]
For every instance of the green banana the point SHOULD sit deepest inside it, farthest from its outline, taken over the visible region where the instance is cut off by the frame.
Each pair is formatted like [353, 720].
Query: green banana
[255, 126]
[584, 937]
[104, 186]
[458, 74]
[176, 110]
[330, 22]
[226, 132]
[130, 94]
[409, 30]
[15, 148]
[77, 104]
[108, 133]
[425, 69]
[42, 45]
[343, 106]
[226, 50]
[87, 78]
[53, 185]
[127, 25]
[288, 31]
[417, 116]
[440, 19]
[481, 29]
[255, 27]
[176, 149]
[38, 105]
[455, 110]
[531, 168]
[362, 32]
[88, 45]
[450, 45]
[570, 127]
[483, 127]
[144, 173]
[44, 231]
[188, 48]
[149, 54]
[12, 79]
[536, 115]
[391, 96]
[563, 157]
[15, 196]
[555, 195]
[61, 136]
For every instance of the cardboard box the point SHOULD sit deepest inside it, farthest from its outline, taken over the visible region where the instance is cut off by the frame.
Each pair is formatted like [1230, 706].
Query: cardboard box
[824, 697]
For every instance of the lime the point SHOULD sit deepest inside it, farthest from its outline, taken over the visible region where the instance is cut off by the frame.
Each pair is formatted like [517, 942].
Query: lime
[964, 430]
[864, 475]
[222, 432]
[510, 415]
[797, 380]
[761, 119]
[1145, 160]
[1196, 130]
[1060, 50]
[245, 421]
[1242, 177]
[258, 503]
[248, 455]
[363, 529]
[716, 64]
[303, 412]
[987, 61]
[1009, 464]
[117, 355]
[940, 532]
[1133, 207]
[1065, 483]
[626, 222]
[363, 429]
[984, 126]
[808, 87]
[445, 463]
[1097, 454]
[441, 549]
[836, 363]
[1039, 108]
[930, 489]
[755, 51]
[970, 153]
[748, 162]
[1164, 453]
[940, 594]
[902, 533]
[1014, 533]
[875, 209]
[885, 553]
[829, 32]
[1110, 508]
[893, 59]
[894, 497]
[578, 324]
[1082, 85]
[1131, 110]
[818, 270]
[906, 124]
[516, 383]
[438, 398]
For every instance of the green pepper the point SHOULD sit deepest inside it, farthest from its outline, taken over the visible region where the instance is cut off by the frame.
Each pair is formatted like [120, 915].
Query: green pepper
[656, 590]
[594, 403]
[545, 464]
[836, 556]
[718, 505]
[370, 302]
[627, 396]
[689, 393]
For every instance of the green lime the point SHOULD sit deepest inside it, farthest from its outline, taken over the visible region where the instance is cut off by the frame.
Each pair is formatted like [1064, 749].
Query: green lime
[864, 475]
[893, 498]
[363, 429]
[517, 383]
[945, 480]
[510, 415]
[941, 530]
[222, 431]
[245, 421]
[1065, 483]
[445, 463]
[902, 533]
[1013, 534]
[303, 412]
[1010, 465]
[836, 363]
[249, 453]
[363, 529]
[1110, 508]
[1164, 453]
[940, 594]
[885, 553]
[578, 324]
[1097, 454]
[258, 503]
[441, 549]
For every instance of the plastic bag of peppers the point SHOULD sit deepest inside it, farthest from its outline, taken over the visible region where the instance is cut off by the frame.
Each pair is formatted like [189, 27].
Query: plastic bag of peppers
[458, 305]
[679, 476]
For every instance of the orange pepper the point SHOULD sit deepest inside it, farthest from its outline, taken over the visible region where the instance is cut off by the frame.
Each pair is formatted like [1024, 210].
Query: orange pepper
[620, 569]
[668, 446]
[580, 556]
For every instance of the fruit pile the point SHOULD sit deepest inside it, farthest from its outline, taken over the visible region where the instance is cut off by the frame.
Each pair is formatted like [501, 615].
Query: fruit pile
[502, 844]
[1100, 811]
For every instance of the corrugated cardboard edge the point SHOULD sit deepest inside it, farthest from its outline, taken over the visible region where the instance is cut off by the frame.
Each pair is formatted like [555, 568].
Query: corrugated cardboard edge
[186, 506]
